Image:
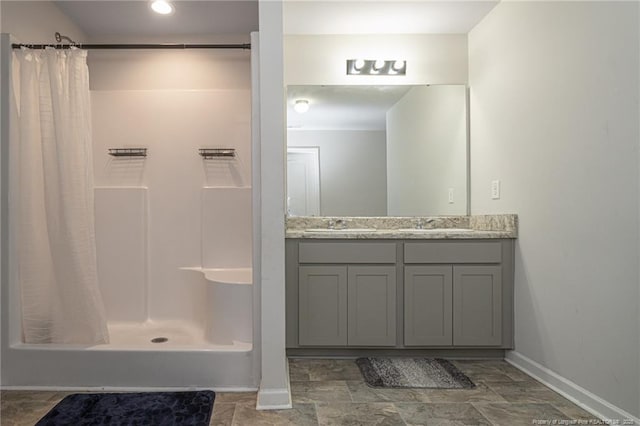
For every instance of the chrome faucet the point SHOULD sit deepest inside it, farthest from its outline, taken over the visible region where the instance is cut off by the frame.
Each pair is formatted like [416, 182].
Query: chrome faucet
[337, 224]
[422, 222]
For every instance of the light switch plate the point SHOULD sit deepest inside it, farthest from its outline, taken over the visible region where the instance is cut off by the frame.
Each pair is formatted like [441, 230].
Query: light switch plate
[495, 189]
[450, 195]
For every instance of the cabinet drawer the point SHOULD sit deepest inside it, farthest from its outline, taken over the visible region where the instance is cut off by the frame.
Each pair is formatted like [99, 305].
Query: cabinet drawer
[347, 252]
[453, 252]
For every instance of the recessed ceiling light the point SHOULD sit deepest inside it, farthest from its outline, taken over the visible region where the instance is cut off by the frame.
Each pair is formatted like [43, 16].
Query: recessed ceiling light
[162, 7]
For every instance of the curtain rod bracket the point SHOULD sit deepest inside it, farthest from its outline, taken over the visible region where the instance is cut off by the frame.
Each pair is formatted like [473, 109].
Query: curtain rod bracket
[60, 37]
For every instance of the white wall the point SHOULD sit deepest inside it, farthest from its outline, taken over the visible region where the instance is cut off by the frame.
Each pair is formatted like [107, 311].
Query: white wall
[169, 69]
[353, 178]
[554, 116]
[37, 22]
[321, 59]
[427, 152]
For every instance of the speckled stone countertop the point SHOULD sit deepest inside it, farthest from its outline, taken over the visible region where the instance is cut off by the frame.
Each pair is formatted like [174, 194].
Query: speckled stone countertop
[436, 227]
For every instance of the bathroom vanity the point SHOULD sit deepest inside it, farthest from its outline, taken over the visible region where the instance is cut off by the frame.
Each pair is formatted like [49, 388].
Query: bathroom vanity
[372, 284]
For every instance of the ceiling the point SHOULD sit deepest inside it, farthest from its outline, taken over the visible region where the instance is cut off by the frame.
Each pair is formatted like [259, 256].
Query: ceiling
[342, 107]
[359, 107]
[133, 18]
[384, 16]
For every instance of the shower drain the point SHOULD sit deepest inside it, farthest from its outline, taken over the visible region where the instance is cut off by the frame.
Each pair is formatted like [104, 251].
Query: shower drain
[159, 340]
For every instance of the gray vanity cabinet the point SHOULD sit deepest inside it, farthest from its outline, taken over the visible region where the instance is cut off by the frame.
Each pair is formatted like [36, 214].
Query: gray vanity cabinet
[346, 294]
[347, 305]
[459, 304]
[452, 305]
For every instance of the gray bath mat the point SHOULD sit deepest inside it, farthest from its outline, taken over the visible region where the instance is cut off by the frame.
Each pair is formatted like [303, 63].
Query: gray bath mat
[434, 373]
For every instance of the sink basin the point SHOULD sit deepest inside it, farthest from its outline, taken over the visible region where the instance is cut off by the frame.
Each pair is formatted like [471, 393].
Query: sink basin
[345, 230]
[435, 230]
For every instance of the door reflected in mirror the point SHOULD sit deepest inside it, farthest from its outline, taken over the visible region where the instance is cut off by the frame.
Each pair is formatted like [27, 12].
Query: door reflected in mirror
[303, 181]
[377, 151]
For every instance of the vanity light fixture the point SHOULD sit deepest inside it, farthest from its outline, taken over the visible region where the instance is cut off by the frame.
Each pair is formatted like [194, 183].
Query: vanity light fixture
[301, 106]
[376, 67]
[162, 7]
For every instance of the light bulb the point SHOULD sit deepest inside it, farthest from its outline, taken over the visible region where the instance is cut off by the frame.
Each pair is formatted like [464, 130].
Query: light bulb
[378, 65]
[398, 65]
[301, 106]
[358, 64]
[162, 7]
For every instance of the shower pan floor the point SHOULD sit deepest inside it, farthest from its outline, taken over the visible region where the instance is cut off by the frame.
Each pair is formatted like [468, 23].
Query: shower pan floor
[187, 359]
[165, 334]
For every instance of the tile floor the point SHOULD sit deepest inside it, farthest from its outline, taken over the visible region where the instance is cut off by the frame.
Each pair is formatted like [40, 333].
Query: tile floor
[332, 392]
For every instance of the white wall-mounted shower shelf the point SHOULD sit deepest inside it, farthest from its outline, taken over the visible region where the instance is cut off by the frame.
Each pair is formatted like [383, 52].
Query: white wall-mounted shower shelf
[237, 276]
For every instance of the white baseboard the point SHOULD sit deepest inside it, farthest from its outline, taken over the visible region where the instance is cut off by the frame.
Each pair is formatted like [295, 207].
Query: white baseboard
[574, 393]
[275, 398]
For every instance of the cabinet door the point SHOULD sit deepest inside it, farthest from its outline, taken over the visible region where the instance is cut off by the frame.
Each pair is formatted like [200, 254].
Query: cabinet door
[477, 305]
[372, 306]
[427, 306]
[322, 310]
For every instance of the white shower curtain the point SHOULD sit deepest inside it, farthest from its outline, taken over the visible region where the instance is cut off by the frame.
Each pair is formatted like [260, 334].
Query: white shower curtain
[54, 209]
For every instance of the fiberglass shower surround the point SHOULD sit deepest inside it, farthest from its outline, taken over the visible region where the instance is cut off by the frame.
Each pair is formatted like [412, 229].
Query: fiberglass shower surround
[173, 229]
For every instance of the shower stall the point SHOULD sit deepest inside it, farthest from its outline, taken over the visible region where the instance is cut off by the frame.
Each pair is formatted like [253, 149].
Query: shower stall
[171, 148]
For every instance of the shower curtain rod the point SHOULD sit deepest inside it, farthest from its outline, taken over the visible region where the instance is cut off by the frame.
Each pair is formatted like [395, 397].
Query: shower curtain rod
[175, 46]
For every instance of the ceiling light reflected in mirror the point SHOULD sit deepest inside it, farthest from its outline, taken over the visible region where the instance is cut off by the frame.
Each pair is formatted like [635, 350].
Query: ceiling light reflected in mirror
[162, 7]
[301, 106]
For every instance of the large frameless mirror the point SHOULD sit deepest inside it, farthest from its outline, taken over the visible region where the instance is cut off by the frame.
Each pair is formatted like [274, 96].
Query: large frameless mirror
[377, 150]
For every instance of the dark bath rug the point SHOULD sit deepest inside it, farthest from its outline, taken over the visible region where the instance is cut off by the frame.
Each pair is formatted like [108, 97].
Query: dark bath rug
[146, 408]
[434, 373]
